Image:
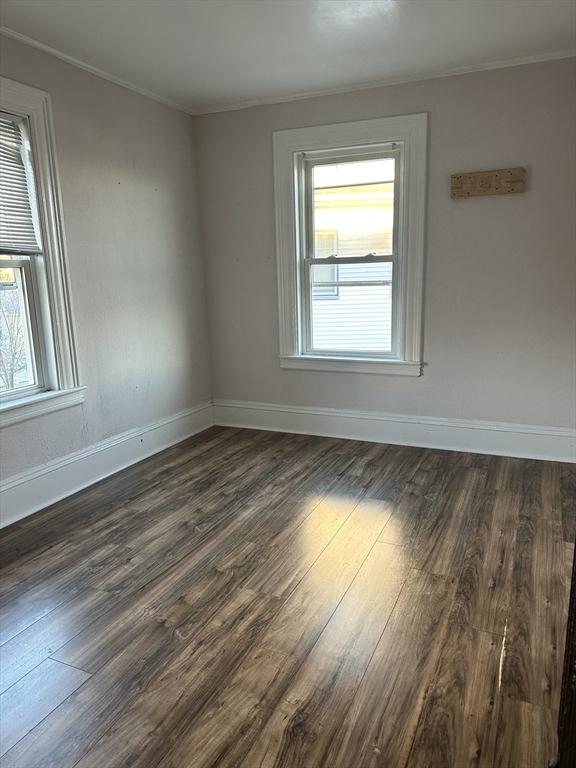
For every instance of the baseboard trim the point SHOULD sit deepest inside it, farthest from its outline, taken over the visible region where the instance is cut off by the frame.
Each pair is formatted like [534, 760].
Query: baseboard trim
[498, 438]
[23, 494]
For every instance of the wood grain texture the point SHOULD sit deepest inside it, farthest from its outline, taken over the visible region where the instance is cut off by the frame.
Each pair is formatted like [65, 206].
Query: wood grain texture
[252, 599]
[308, 718]
[504, 181]
[33, 697]
[380, 724]
[455, 724]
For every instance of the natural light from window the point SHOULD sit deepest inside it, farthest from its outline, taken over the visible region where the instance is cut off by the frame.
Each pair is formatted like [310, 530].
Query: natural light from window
[353, 215]
[350, 203]
[17, 368]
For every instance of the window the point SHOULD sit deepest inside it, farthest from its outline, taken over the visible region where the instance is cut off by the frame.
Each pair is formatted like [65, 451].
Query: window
[325, 285]
[350, 223]
[38, 371]
[21, 369]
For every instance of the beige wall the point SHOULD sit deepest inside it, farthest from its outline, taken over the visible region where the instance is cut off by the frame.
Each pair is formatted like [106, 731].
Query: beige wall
[128, 179]
[500, 294]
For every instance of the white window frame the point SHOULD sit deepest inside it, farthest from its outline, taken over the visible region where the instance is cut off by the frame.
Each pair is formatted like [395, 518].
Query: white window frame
[407, 137]
[47, 279]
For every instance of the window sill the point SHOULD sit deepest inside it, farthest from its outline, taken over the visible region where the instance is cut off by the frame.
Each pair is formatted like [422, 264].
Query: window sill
[351, 365]
[14, 411]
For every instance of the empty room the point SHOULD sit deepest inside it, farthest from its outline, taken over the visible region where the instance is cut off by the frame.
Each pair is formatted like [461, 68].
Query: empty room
[287, 383]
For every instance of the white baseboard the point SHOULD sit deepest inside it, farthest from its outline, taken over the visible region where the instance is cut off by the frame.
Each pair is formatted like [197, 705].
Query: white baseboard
[23, 494]
[499, 438]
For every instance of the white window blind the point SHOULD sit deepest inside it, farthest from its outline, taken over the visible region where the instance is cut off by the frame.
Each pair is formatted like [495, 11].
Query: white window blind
[18, 230]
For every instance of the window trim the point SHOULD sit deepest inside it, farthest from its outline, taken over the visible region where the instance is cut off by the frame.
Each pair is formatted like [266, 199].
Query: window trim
[411, 132]
[61, 373]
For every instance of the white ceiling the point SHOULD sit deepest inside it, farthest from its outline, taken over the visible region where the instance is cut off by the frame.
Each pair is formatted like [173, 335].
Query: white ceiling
[206, 55]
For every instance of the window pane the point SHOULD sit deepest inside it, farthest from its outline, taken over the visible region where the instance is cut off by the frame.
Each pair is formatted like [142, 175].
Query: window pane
[325, 277]
[354, 201]
[16, 366]
[326, 245]
[359, 316]
[351, 273]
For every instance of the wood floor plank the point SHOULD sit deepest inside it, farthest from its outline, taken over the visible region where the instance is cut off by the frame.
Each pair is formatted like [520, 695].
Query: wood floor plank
[63, 567]
[534, 644]
[440, 544]
[20, 613]
[459, 707]
[221, 517]
[309, 607]
[397, 468]
[144, 505]
[363, 472]
[483, 584]
[380, 725]
[27, 649]
[69, 731]
[33, 697]
[305, 722]
[409, 511]
[200, 584]
[522, 736]
[170, 700]
[568, 501]
[64, 584]
[551, 501]
[224, 732]
[192, 594]
[97, 506]
[288, 560]
[250, 598]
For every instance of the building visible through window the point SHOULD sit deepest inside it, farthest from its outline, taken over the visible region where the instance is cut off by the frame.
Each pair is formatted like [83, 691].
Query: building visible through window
[353, 217]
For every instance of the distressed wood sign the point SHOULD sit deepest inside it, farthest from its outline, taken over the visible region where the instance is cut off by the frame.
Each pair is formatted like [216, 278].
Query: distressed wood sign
[504, 181]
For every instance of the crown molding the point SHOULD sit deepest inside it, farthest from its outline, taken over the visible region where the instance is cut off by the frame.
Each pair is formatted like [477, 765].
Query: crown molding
[467, 70]
[11, 33]
[248, 103]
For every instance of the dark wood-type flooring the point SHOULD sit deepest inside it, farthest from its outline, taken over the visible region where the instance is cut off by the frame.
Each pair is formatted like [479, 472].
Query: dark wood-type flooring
[252, 599]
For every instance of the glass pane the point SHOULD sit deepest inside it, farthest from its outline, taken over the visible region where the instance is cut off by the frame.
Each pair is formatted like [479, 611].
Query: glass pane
[325, 276]
[16, 360]
[351, 273]
[353, 208]
[358, 316]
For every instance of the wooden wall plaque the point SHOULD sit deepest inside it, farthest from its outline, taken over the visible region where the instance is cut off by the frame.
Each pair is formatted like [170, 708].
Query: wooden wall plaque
[504, 181]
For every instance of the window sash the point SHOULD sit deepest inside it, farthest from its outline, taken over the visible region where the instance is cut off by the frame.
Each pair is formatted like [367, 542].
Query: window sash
[33, 310]
[309, 160]
[305, 163]
[308, 297]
